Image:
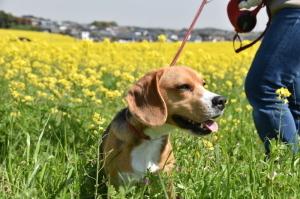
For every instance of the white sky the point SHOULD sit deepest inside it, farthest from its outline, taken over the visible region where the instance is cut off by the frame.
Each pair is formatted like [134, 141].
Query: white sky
[145, 13]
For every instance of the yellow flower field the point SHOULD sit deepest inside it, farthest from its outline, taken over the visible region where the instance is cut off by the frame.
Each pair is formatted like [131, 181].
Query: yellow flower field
[56, 68]
[58, 94]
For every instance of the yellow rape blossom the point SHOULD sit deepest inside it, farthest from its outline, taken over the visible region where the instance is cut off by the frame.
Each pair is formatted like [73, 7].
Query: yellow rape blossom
[248, 107]
[14, 85]
[54, 110]
[88, 93]
[76, 100]
[27, 99]
[15, 114]
[98, 121]
[208, 145]
[283, 94]
[162, 38]
[16, 95]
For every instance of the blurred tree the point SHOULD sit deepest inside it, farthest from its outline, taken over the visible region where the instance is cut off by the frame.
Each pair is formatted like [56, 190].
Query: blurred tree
[104, 24]
[6, 19]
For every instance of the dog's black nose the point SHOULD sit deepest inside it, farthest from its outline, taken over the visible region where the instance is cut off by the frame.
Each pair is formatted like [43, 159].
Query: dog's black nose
[219, 102]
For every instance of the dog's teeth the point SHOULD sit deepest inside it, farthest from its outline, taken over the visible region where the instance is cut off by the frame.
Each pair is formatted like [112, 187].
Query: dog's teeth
[192, 122]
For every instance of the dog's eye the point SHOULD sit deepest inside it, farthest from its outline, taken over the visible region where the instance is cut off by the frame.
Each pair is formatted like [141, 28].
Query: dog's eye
[204, 83]
[184, 87]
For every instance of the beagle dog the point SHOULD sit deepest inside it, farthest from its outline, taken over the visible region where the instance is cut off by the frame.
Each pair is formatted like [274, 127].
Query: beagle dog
[137, 140]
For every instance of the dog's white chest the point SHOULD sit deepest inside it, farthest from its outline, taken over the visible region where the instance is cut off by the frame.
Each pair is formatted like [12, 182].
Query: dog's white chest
[146, 156]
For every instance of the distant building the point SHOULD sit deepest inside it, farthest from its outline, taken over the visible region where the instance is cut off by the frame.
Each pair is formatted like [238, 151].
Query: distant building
[129, 33]
[85, 35]
[43, 24]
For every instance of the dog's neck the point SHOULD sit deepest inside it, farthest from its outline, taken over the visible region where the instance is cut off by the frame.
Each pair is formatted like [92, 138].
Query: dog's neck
[134, 122]
[159, 131]
[151, 132]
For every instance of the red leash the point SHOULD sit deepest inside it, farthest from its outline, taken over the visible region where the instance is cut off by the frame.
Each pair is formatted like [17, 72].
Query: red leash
[188, 33]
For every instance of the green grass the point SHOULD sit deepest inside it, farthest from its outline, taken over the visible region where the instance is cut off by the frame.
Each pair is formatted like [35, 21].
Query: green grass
[46, 155]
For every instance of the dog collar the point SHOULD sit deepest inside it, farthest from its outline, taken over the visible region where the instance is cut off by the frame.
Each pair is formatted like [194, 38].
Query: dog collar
[138, 133]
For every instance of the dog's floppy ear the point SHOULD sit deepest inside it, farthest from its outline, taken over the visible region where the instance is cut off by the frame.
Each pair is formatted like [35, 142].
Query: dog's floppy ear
[145, 101]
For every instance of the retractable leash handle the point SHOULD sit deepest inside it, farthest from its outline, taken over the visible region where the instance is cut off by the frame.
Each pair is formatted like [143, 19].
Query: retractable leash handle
[241, 19]
[244, 21]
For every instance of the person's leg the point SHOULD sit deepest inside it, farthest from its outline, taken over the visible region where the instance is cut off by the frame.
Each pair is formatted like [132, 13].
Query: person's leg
[294, 101]
[276, 65]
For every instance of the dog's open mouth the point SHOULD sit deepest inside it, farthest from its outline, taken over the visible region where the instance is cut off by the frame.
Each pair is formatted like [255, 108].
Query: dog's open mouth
[203, 128]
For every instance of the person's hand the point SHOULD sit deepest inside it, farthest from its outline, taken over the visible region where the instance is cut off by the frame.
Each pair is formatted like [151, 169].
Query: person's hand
[246, 4]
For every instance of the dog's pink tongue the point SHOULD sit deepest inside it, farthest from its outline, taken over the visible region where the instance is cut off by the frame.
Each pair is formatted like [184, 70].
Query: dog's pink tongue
[211, 125]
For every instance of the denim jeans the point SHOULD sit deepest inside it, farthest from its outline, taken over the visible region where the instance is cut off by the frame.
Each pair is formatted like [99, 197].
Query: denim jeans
[277, 64]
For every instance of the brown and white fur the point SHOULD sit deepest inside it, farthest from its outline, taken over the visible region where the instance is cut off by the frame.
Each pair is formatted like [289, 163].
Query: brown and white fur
[137, 140]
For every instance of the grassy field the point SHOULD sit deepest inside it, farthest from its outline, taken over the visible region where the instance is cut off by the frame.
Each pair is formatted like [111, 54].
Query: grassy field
[58, 94]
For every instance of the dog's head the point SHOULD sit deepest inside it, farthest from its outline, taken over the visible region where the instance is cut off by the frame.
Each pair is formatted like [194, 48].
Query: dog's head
[175, 95]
